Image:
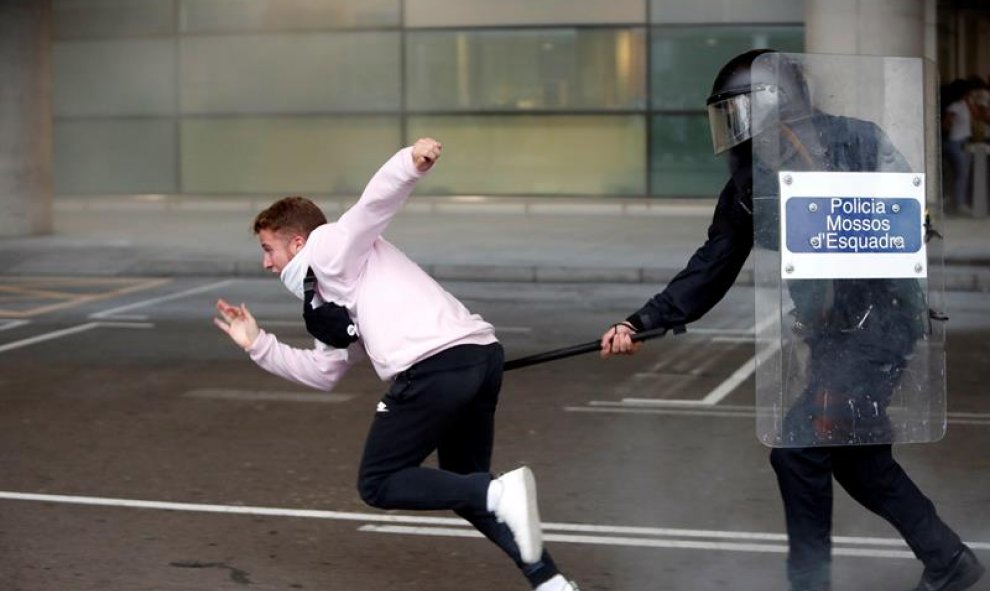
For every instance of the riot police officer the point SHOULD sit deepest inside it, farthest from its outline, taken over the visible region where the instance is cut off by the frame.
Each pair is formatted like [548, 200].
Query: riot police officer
[887, 315]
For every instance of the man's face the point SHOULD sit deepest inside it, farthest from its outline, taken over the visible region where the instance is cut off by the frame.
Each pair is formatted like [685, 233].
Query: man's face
[278, 248]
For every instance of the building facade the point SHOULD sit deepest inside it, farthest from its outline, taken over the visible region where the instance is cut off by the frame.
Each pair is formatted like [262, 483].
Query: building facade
[530, 97]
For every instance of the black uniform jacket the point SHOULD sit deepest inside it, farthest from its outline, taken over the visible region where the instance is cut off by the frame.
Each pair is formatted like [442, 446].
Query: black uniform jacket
[821, 142]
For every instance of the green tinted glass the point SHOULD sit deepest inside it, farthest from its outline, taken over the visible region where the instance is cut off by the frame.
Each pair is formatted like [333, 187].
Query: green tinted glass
[682, 163]
[286, 155]
[115, 156]
[214, 16]
[536, 69]
[290, 73]
[114, 77]
[537, 155]
[684, 60]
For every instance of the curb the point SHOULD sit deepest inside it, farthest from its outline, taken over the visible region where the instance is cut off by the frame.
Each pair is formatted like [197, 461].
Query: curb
[956, 278]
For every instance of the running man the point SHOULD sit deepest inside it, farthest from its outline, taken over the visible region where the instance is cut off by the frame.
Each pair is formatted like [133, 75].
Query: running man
[364, 299]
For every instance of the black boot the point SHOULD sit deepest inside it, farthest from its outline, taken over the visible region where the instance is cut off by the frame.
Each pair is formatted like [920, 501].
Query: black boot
[962, 573]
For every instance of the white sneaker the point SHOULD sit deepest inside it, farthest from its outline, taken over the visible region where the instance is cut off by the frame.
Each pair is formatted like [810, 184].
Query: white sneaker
[517, 509]
[557, 583]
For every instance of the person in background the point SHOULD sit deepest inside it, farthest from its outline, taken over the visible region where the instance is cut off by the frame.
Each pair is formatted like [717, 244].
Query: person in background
[980, 108]
[957, 125]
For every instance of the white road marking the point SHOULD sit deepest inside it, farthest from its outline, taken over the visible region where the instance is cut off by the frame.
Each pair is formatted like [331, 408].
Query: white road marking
[952, 421]
[158, 300]
[744, 333]
[513, 330]
[637, 542]
[739, 376]
[695, 408]
[678, 365]
[664, 403]
[740, 340]
[747, 369]
[457, 526]
[699, 361]
[69, 331]
[9, 324]
[130, 317]
[575, 539]
[702, 360]
[123, 324]
[696, 412]
[709, 405]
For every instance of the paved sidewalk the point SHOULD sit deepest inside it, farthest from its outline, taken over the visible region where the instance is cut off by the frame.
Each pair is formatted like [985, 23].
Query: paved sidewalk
[467, 238]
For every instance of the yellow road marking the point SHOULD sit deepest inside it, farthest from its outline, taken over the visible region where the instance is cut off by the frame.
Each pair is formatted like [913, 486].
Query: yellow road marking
[29, 290]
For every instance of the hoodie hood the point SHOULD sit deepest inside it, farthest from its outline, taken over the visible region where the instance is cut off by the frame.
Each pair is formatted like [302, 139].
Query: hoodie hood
[294, 273]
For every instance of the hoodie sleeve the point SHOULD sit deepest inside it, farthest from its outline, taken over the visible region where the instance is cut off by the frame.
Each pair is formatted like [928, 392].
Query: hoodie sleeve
[709, 273]
[362, 224]
[320, 368]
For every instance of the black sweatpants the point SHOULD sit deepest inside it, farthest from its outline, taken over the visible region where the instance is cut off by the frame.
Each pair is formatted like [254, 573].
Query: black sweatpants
[875, 480]
[445, 403]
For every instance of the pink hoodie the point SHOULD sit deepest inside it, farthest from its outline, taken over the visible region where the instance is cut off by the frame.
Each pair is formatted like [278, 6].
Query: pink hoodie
[403, 315]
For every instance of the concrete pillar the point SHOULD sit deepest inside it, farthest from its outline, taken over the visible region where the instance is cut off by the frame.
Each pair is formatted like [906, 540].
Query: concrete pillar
[887, 28]
[25, 117]
[895, 28]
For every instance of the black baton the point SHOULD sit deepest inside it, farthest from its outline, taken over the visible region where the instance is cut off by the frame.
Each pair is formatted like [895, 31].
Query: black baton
[581, 349]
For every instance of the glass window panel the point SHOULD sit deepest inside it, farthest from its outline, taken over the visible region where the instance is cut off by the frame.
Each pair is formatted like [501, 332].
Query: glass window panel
[113, 78]
[74, 19]
[301, 73]
[684, 60]
[526, 69]
[285, 155]
[106, 156]
[726, 11]
[213, 16]
[536, 155]
[460, 13]
[683, 164]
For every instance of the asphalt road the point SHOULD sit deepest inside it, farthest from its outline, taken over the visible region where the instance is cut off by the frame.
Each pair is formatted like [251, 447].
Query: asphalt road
[141, 450]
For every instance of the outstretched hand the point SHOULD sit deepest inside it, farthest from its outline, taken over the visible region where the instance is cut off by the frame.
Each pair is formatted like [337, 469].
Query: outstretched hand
[425, 153]
[238, 323]
[617, 340]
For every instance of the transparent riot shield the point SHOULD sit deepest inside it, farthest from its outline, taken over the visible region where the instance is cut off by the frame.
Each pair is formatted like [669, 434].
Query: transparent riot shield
[848, 255]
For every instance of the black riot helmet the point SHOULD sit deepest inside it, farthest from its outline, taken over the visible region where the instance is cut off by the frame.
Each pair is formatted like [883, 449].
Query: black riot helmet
[730, 105]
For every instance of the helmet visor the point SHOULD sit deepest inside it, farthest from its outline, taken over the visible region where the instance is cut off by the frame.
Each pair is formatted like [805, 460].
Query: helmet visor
[730, 121]
[735, 118]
